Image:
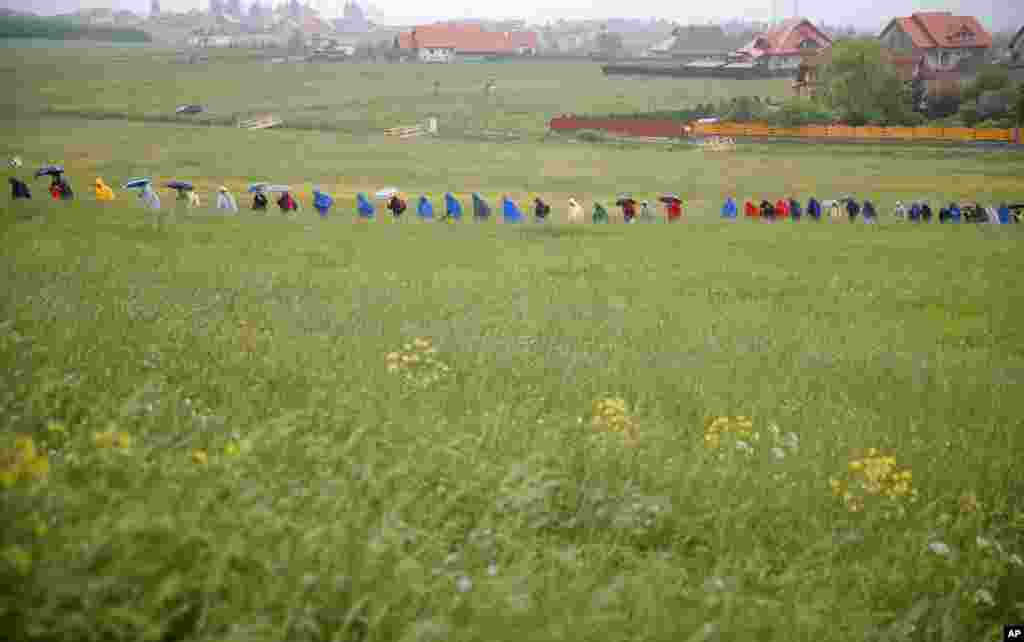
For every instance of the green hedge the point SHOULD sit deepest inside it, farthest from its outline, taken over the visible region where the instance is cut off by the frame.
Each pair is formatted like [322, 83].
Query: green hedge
[65, 29]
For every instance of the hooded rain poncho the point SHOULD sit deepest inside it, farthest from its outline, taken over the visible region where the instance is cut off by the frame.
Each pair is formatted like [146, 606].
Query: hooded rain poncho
[782, 208]
[481, 210]
[193, 199]
[729, 209]
[424, 209]
[322, 202]
[225, 201]
[149, 198]
[1004, 214]
[870, 215]
[510, 211]
[364, 206]
[750, 210]
[103, 191]
[814, 209]
[453, 208]
[646, 213]
[575, 211]
[795, 210]
[600, 214]
[19, 189]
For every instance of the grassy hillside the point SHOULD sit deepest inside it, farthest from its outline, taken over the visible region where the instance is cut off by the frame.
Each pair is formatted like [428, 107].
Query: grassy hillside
[59, 28]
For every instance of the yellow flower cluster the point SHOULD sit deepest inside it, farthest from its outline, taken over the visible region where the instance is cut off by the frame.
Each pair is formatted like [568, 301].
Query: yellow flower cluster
[22, 461]
[112, 439]
[200, 457]
[876, 474]
[416, 361]
[738, 427]
[612, 416]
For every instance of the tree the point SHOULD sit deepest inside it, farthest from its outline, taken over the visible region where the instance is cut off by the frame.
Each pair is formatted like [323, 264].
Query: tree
[1020, 105]
[297, 42]
[609, 44]
[990, 78]
[861, 88]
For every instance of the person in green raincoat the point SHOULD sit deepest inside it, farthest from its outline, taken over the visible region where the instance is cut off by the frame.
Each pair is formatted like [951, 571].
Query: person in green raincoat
[600, 214]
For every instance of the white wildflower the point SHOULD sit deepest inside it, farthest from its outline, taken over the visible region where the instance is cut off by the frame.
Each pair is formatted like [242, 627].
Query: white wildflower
[463, 584]
[1016, 560]
[983, 596]
[791, 441]
[743, 446]
[492, 569]
[778, 453]
[983, 544]
[940, 548]
[773, 429]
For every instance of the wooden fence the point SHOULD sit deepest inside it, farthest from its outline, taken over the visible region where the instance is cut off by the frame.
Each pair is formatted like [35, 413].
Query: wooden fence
[843, 132]
[677, 129]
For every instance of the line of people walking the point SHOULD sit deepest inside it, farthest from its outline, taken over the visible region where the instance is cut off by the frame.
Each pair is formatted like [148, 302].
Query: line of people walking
[847, 208]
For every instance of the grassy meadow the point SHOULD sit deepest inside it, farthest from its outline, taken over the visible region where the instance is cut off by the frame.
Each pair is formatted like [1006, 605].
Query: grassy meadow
[351, 97]
[256, 427]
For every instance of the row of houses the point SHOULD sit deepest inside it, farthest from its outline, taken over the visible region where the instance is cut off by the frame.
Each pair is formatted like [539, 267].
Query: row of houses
[938, 49]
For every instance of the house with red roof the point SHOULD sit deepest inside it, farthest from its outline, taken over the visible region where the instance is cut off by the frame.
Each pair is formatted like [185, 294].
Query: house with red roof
[443, 42]
[940, 40]
[783, 47]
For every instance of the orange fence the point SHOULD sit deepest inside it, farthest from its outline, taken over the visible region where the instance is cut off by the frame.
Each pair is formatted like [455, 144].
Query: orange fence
[950, 134]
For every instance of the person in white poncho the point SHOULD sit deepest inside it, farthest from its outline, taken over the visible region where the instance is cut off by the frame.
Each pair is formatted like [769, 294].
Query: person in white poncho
[225, 200]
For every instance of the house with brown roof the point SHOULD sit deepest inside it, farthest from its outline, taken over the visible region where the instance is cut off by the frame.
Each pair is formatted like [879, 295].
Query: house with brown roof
[944, 42]
[783, 47]
[443, 42]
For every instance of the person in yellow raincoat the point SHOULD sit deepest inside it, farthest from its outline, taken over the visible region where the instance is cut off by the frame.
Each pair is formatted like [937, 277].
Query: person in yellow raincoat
[103, 191]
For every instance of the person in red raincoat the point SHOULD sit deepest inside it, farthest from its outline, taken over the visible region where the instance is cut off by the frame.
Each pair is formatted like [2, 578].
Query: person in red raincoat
[750, 210]
[782, 208]
[675, 210]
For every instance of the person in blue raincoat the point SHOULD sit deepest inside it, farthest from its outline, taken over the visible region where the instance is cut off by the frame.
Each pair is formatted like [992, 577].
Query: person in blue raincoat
[729, 210]
[364, 206]
[814, 209]
[424, 209]
[452, 207]
[481, 210]
[510, 211]
[1004, 214]
[914, 213]
[322, 202]
[795, 211]
[870, 215]
[954, 213]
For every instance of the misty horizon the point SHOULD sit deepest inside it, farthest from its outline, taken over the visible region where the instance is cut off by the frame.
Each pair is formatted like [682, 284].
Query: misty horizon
[998, 15]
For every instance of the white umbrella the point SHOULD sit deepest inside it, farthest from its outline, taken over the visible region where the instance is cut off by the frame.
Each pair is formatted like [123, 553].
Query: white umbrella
[386, 193]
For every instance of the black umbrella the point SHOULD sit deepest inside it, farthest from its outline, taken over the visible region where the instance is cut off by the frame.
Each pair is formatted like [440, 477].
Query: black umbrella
[179, 185]
[669, 198]
[49, 170]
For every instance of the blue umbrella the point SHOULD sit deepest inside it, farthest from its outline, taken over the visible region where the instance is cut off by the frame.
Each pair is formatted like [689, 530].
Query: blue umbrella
[137, 183]
[257, 187]
[49, 170]
[179, 185]
[424, 208]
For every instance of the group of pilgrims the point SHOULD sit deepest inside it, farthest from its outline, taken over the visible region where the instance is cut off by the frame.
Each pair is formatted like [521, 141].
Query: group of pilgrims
[632, 210]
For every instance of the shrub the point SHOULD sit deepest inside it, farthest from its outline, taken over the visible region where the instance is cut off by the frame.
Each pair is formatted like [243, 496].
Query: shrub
[591, 135]
[797, 112]
[969, 114]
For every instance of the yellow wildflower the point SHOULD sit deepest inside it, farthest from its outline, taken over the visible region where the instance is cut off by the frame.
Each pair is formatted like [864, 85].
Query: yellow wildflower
[968, 503]
[392, 357]
[231, 450]
[112, 439]
[856, 466]
[422, 344]
[200, 457]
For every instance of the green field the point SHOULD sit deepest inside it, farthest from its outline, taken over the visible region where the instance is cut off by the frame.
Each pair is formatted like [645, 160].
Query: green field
[168, 472]
[352, 97]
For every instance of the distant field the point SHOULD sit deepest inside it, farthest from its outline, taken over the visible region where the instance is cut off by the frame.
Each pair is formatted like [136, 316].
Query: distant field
[348, 96]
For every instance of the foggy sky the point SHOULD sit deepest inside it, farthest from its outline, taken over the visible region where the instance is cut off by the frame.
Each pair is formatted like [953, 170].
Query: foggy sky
[864, 14]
